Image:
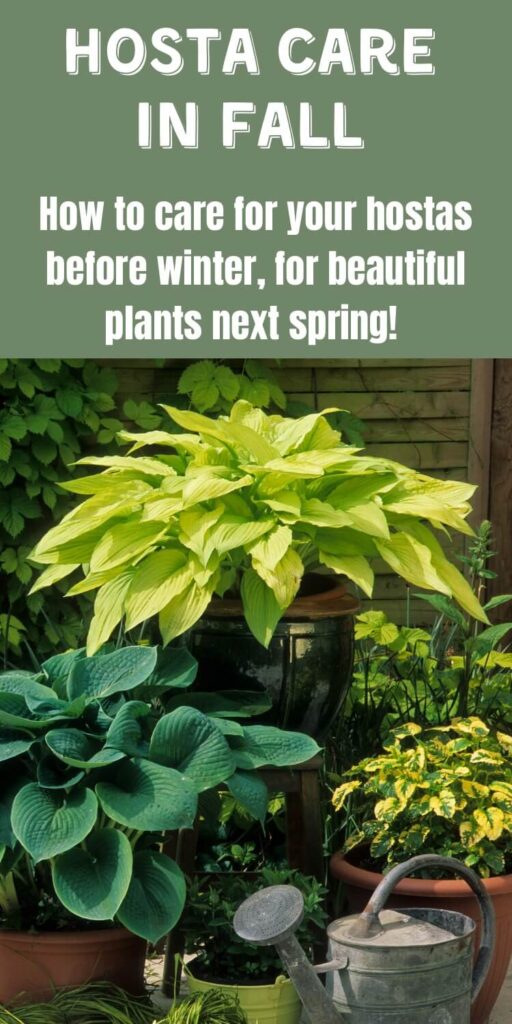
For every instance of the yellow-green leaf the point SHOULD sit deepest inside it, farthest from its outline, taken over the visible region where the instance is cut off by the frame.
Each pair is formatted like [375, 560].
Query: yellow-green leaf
[124, 543]
[108, 610]
[160, 577]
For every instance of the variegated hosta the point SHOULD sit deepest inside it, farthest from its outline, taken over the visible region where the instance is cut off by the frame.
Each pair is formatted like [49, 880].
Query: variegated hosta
[99, 758]
[246, 503]
[446, 790]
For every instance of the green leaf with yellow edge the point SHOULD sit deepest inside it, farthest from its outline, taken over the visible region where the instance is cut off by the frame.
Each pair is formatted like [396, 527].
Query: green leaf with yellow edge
[342, 793]
[490, 820]
[443, 803]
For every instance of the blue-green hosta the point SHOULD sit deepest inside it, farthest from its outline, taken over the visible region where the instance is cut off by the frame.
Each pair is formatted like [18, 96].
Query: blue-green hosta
[246, 503]
[99, 757]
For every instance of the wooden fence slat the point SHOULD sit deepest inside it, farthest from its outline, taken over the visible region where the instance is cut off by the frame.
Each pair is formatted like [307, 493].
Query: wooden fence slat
[417, 430]
[414, 378]
[428, 455]
[385, 405]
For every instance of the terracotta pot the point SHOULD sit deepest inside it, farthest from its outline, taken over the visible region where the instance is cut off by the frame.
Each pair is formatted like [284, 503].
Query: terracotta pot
[306, 670]
[445, 894]
[33, 966]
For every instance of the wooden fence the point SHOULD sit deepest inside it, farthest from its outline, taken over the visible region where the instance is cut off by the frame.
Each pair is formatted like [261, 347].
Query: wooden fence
[433, 415]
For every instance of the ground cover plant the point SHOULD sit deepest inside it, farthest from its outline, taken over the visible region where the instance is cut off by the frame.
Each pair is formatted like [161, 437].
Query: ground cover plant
[99, 1003]
[245, 504]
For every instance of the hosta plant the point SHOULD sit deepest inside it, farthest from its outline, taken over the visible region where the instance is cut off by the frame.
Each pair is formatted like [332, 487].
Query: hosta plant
[446, 790]
[245, 504]
[99, 758]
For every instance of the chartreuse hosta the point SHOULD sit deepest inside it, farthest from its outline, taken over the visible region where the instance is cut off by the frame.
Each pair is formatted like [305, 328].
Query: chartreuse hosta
[99, 758]
[246, 503]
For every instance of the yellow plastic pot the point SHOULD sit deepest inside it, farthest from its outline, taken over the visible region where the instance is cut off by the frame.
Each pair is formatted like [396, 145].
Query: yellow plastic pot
[262, 1004]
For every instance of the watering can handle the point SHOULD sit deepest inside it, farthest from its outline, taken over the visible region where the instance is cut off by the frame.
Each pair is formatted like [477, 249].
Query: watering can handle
[370, 915]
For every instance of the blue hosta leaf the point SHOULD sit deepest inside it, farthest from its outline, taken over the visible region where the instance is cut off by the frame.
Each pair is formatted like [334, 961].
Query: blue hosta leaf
[156, 897]
[93, 882]
[175, 669]
[127, 730]
[251, 792]
[54, 774]
[8, 791]
[225, 703]
[191, 743]
[47, 823]
[58, 668]
[118, 672]
[14, 713]
[13, 743]
[79, 750]
[149, 797]
[265, 745]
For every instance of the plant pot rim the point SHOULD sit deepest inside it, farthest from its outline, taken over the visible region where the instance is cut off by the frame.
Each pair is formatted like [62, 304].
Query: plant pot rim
[280, 981]
[332, 602]
[90, 936]
[446, 888]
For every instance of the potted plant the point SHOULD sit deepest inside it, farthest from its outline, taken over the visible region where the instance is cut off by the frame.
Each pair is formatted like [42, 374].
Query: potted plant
[100, 757]
[224, 962]
[221, 528]
[444, 790]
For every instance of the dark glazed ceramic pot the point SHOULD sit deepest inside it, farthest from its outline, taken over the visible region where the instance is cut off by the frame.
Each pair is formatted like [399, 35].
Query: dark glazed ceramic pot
[306, 670]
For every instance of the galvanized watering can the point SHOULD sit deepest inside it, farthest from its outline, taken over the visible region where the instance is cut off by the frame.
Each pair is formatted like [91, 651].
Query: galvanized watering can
[386, 967]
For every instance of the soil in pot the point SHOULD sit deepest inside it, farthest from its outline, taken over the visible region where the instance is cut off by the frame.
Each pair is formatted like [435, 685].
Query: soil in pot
[447, 894]
[34, 965]
[262, 1004]
[306, 670]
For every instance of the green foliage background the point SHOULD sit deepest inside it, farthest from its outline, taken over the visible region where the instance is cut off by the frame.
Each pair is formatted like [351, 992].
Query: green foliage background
[51, 411]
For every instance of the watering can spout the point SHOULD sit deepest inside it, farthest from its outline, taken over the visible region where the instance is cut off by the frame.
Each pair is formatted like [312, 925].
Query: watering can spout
[270, 918]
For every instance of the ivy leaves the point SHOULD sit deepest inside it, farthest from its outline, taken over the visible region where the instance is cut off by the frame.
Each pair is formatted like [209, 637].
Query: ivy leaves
[213, 387]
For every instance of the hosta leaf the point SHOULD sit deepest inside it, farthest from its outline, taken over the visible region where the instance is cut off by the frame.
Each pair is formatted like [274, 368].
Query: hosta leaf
[225, 703]
[13, 743]
[53, 574]
[207, 487]
[355, 567]
[109, 608]
[124, 543]
[127, 730]
[155, 899]
[48, 823]
[149, 797]
[261, 610]
[234, 531]
[184, 610]
[284, 579]
[176, 669]
[54, 774]
[58, 668]
[412, 560]
[271, 549]
[191, 743]
[75, 748]
[118, 672]
[14, 714]
[250, 791]
[8, 791]
[320, 513]
[160, 577]
[266, 745]
[93, 882]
